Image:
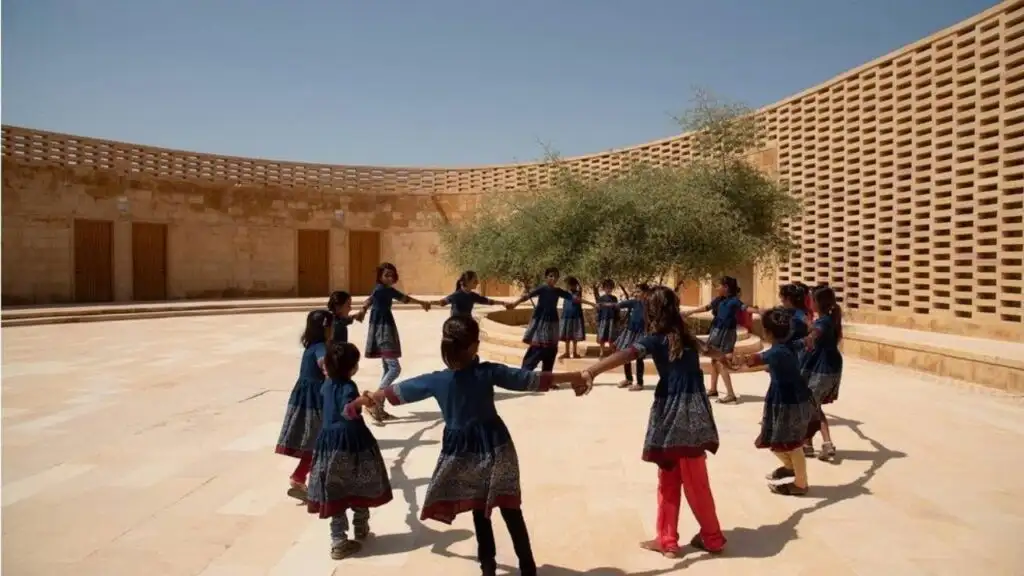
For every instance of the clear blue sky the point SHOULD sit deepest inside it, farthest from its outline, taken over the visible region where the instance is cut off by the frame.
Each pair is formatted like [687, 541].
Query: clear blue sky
[425, 82]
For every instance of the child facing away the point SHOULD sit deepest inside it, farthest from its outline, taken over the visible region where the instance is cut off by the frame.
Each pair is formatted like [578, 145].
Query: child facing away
[790, 415]
[607, 317]
[348, 469]
[542, 332]
[382, 340]
[681, 428]
[478, 469]
[822, 363]
[572, 330]
[635, 330]
[464, 297]
[303, 415]
[725, 310]
[340, 305]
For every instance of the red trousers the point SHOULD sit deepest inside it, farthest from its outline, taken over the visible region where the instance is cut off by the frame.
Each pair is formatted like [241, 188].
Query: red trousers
[302, 470]
[690, 477]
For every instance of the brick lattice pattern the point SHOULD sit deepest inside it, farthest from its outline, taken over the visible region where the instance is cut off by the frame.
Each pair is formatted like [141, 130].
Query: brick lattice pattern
[910, 168]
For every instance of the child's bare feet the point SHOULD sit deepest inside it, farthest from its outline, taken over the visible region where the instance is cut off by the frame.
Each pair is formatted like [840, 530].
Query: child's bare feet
[655, 546]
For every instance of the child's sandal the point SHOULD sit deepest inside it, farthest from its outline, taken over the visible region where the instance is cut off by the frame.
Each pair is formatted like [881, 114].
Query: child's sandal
[361, 532]
[299, 494]
[787, 489]
[625, 384]
[828, 452]
[780, 473]
[712, 393]
[698, 543]
[343, 550]
[727, 400]
[636, 387]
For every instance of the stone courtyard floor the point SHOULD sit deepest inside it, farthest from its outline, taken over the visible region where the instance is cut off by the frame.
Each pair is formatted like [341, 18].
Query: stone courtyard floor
[146, 448]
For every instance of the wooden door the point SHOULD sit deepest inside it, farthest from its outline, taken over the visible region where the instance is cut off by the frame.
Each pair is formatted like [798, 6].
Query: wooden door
[94, 261]
[363, 259]
[314, 263]
[149, 261]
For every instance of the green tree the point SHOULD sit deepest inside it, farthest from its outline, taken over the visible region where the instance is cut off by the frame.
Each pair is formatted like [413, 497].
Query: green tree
[643, 224]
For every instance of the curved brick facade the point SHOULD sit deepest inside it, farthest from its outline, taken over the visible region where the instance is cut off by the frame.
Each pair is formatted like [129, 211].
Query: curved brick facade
[911, 169]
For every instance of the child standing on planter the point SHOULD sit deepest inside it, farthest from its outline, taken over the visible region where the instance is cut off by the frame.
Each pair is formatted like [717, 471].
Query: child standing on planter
[348, 468]
[607, 317]
[790, 415]
[572, 331]
[681, 429]
[305, 405]
[382, 339]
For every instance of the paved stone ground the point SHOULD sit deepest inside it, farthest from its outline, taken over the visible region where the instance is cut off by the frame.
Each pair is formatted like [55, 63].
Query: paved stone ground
[145, 447]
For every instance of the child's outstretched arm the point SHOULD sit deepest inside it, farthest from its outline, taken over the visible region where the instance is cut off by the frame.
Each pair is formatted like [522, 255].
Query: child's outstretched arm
[521, 380]
[531, 294]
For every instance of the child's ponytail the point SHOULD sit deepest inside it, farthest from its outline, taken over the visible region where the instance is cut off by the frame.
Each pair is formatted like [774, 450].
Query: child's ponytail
[464, 278]
[837, 320]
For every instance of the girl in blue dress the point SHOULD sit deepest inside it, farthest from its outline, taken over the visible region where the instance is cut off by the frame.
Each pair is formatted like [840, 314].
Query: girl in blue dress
[464, 297]
[790, 414]
[382, 339]
[725, 310]
[822, 363]
[542, 332]
[478, 469]
[635, 330]
[305, 405]
[681, 428]
[607, 317]
[348, 469]
[572, 330]
[340, 305]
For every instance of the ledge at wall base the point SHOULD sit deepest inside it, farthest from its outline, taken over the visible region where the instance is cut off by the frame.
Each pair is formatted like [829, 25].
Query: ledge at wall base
[991, 363]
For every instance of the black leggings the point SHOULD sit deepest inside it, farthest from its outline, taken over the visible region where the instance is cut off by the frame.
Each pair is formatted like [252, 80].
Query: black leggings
[543, 355]
[516, 525]
[639, 371]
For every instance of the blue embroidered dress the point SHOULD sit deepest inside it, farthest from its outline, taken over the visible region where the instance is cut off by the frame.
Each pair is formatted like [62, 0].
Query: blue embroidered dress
[543, 327]
[305, 406]
[348, 469]
[478, 468]
[572, 329]
[462, 302]
[681, 423]
[339, 330]
[723, 327]
[607, 318]
[823, 365]
[790, 414]
[382, 334]
[635, 327]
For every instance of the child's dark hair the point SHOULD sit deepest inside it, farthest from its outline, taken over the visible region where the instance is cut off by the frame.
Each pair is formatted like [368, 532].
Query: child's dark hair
[552, 271]
[607, 284]
[732, 287]
[384, 266]
[792, 295]
[466, 277]
[340, 359]
[777, 322]
[642, 288]
[574, 284]
[317, 322]
[337, 298]
[825, 299]
[661, 314]
[458, 335]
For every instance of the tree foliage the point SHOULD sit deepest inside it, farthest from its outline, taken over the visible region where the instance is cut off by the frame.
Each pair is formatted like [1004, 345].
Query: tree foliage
[714, 213]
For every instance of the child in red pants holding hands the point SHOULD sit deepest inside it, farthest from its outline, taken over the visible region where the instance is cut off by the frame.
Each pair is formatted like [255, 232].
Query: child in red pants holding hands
[681, 429]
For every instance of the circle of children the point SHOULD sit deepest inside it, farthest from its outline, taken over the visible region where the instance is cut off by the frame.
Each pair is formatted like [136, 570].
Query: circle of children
[478, 469]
